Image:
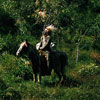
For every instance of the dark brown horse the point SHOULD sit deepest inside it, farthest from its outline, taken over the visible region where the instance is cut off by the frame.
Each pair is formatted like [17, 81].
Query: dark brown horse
[58, 62]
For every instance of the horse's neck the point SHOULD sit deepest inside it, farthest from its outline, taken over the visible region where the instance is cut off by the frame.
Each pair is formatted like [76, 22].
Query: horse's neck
[31, 49]
[32, 52]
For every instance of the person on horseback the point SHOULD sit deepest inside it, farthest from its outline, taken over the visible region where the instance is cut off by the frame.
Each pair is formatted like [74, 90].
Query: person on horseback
[46, 44]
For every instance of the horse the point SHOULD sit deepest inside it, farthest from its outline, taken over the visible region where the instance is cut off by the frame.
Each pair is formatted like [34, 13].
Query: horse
[39, 65]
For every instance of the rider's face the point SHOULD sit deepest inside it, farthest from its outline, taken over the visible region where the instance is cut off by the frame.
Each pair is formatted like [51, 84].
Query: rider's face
[47, 30]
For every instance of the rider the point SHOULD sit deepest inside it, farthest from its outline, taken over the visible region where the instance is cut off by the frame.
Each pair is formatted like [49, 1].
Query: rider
[45, 44]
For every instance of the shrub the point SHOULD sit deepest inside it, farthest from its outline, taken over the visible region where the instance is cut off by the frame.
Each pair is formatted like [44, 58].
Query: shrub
[15, 66]
[7, 23]
[2, 85]
[88, 70]
[10, 94]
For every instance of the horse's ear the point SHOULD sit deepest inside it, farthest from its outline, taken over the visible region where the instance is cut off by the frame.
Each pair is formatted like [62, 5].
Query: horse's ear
[26, 41]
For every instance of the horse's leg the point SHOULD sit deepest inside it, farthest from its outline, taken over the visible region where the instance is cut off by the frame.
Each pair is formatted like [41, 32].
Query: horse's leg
[39, 78]
[35, 77]
[64, 76]
[63, 73]
[60, 77]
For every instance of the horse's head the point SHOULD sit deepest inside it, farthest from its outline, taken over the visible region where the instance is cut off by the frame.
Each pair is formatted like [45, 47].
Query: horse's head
[23, 48]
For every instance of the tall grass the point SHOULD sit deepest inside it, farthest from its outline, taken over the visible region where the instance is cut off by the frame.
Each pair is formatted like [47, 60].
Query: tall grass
[16, 83]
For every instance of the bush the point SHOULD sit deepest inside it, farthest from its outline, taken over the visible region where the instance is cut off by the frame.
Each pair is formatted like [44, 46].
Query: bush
[2, 85]
[7, 23]
[10, 94]
[15, 66]
[10, 42]
[88, 70]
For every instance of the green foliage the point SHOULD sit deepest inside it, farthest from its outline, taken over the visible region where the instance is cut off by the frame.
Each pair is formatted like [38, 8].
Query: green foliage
[22, 12]
[78, 23]
[10, 43]
[16, 66]
[14, 72]
[7, 23]
[2, 85]
[10, 94]
[89, 70]
[84, 56]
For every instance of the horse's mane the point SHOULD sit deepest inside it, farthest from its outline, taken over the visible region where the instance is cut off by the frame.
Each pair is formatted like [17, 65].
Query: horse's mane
[32, 48]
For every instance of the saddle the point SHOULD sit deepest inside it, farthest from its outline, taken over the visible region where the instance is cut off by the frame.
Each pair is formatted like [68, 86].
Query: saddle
[52, 53]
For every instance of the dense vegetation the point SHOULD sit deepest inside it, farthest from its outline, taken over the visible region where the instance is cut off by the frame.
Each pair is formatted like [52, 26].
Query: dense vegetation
[78, 28]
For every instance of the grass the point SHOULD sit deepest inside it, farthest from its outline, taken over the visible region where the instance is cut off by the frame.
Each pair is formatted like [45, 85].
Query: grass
[78, 86]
